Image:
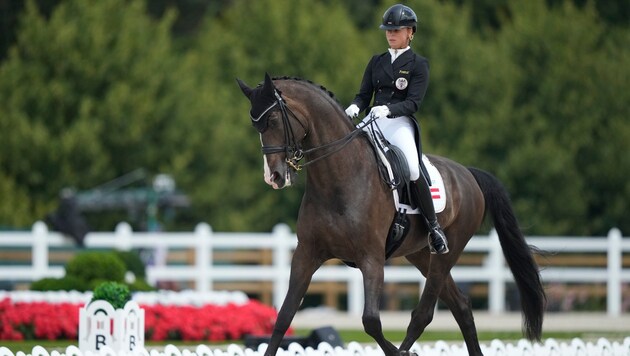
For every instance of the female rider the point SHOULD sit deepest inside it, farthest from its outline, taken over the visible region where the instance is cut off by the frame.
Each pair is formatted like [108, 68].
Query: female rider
[398, 80]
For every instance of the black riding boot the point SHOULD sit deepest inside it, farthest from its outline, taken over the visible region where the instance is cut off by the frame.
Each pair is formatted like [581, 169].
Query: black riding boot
[437, 240]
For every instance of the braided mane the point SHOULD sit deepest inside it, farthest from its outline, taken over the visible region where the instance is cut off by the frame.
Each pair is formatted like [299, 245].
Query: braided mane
[321, 87]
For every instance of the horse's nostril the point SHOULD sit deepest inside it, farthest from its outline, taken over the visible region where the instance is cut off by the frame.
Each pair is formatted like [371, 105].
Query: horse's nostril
[276, 178]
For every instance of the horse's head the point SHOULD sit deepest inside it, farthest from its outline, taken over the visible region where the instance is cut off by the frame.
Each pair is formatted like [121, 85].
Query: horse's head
[278, 128]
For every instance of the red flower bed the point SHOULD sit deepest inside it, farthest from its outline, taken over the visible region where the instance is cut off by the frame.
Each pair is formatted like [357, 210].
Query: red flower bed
[27, 321]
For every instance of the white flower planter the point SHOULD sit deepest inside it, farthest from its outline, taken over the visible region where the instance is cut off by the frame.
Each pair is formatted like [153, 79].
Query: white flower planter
[100, 325]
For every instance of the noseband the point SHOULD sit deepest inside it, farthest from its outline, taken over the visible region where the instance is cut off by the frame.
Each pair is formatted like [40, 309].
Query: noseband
[292, 148]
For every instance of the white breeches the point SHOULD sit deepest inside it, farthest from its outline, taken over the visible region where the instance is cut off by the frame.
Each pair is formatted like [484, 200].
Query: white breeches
[399, 131]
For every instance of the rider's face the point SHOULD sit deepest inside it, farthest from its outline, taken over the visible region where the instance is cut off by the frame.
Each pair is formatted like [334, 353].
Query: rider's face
[398, 38]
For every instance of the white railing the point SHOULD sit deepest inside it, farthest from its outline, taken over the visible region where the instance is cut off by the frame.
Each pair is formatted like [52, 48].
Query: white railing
[282, 242]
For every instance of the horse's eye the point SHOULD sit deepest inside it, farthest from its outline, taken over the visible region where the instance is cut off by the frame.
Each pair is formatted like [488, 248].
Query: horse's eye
[273, 121]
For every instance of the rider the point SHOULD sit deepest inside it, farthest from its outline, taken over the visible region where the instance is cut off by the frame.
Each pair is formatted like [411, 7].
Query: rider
[398, 80]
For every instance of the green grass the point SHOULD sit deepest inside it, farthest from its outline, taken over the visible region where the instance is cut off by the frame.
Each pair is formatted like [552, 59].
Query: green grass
[346, 335]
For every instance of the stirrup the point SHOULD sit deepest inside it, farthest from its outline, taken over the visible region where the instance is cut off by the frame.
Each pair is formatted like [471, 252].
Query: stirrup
[438, 245]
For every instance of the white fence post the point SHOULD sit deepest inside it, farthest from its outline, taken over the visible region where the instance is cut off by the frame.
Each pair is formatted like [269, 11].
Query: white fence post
[355, 294]
[40, 250]
[203, 257]
[281, 263]
[123, 236]
[496, 281]
[613, 299]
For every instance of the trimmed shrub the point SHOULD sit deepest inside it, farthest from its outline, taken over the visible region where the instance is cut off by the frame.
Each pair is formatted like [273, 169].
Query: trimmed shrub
[67, 283]
[140, 285]
[115, 293]
[89, 269]
[91, 265]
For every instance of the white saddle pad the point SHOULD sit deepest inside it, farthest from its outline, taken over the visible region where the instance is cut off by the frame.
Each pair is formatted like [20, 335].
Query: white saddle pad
[438, 193]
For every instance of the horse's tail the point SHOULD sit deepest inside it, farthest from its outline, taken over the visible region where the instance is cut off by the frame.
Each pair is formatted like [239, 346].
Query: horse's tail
[518, 253]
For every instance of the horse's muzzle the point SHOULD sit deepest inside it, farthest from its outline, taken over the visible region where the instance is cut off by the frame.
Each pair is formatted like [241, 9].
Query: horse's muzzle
[278, 177]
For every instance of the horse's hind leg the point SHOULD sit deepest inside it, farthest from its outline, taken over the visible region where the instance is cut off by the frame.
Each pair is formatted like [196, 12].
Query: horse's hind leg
[459, 304]
[456, 301]
[422, 314]
[373, 275]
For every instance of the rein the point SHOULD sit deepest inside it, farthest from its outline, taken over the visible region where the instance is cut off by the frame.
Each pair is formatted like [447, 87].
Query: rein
[292, 148]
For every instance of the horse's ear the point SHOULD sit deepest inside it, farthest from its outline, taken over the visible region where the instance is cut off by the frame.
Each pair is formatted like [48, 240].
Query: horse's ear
[244, 88]
[268, 82]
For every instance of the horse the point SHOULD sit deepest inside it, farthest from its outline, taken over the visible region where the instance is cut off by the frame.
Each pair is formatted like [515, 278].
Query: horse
[346, 211]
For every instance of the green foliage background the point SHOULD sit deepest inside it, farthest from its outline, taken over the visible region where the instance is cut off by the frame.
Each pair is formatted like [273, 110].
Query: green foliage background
[533, 91]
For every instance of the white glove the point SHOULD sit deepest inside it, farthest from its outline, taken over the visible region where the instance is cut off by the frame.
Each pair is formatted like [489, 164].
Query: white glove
[352, 111]
[380, 111]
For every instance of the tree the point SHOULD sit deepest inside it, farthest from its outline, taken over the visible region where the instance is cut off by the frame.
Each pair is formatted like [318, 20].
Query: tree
[301, 38]
[535, 93]
[87, 95]
[566, 142]
[540, 105]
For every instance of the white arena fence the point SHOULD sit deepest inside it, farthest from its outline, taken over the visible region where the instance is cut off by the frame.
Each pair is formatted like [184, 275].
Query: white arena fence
[281, 241]
[550, 347]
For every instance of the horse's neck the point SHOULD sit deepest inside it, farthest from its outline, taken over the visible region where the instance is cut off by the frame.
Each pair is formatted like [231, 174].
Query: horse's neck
[352, 166]
[347, 169]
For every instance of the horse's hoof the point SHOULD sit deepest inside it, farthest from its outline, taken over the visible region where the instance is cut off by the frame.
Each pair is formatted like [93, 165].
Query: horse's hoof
[407, 353]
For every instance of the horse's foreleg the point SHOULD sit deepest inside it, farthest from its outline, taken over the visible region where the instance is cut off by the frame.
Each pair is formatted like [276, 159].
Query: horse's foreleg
[373, 275]
[303, 266]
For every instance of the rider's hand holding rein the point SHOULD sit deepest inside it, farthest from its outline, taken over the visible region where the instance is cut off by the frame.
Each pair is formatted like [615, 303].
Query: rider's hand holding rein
[352, 111]
[377, 112]
[380, 112]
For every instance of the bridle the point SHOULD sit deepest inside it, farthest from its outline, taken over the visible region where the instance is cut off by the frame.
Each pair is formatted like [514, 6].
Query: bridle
[292, 148]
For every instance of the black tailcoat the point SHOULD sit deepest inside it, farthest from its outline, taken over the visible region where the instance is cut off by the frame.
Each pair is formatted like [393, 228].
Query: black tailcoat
[400, 85]
[379, 81]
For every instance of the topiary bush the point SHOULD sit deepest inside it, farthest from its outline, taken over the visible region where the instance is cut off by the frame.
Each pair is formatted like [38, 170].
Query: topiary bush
[95, 265]
[67, 283]
[116, 294]
[88, 269]
[140, 285]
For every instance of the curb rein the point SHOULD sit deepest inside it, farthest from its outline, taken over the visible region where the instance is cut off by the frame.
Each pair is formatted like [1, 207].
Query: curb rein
[292, 149]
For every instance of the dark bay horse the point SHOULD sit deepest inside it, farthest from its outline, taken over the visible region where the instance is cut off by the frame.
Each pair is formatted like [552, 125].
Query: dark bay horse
[347, 210]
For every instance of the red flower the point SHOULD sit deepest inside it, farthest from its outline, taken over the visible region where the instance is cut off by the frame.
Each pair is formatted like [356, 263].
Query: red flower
[19, 321]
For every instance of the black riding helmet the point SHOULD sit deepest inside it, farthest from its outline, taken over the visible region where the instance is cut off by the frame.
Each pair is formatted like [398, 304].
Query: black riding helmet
[399, 16]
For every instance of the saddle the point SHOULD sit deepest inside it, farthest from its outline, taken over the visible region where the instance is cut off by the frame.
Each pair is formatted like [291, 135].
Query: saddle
[394, 171]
